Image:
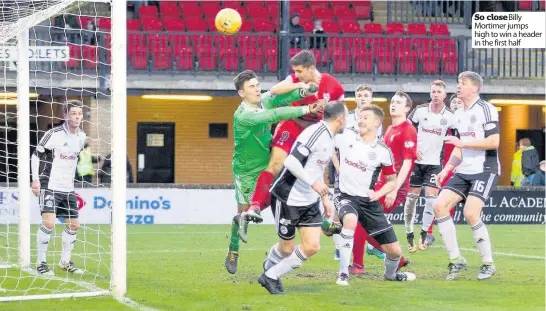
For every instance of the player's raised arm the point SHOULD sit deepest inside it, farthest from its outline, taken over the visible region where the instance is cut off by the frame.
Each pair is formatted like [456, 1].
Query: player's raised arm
[252, 118]
[491, 132]
[287, 85]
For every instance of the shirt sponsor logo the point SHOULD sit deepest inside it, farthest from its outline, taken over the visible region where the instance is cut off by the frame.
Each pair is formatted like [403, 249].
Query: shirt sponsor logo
[432, 131]
[323, 162]
[471, 134]
[72, 157]
[356, 165]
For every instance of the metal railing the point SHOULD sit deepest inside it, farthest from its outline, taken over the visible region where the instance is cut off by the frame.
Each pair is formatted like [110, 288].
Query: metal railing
[371, 55]
[431, 11]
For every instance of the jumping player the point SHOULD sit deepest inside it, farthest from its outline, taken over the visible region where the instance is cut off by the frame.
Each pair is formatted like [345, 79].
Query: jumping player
[252, 137]
[286, 132]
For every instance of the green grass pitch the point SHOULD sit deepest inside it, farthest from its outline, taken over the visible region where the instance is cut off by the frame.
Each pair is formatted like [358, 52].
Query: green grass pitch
[181, 268]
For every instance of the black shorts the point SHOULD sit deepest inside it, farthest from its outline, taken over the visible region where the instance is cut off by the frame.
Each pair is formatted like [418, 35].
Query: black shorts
[63, 204]
[424, 175]
[370, 216]
[288, 218]
[479, 185]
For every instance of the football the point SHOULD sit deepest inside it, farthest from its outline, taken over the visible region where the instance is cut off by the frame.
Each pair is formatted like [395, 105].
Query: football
[228, 21]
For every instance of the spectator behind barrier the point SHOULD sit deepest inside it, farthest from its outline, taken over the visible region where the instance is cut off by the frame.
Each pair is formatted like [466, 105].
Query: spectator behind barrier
[539, 178]
[296, 28]
[318, 41]
[516, 175]
[529, 160]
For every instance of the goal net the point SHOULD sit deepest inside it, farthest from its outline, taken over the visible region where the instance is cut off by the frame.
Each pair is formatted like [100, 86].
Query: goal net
[55, 51]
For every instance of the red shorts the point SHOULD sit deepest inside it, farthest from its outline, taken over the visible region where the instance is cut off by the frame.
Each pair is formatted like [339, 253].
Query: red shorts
[286, 133]
[400, 198]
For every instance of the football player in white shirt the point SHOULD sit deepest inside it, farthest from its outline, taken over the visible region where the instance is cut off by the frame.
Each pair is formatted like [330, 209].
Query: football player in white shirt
[477, 170]
[362, 158]
[296, 194]
[54, 186]
[433, 121]
[363, 98]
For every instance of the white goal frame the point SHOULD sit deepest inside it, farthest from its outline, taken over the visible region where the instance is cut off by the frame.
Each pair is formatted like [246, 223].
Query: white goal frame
[118, 101]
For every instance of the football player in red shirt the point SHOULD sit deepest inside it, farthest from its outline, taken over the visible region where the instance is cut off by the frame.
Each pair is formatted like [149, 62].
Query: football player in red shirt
[286, 132]
[401, 138]
[454, 103]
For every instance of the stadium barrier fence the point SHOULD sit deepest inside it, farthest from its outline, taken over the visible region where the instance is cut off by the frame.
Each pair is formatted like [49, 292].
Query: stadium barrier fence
[149, 204]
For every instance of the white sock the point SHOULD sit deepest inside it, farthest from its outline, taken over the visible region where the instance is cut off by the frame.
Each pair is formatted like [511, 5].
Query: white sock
[69, 239]
[409, 212]
[391, 265]
[345, 249]
[42, 242]
[338, 240]
[368, 245]
[294, 261]
[481, 236]
[428, 213]
[449, 235]
[273, 258]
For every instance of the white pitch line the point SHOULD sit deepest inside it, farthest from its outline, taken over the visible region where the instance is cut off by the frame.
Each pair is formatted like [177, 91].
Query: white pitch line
[178, 232]
[133, 304]
[500, 253]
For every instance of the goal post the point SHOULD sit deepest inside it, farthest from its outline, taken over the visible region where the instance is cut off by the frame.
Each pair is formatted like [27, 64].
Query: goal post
[42, 86]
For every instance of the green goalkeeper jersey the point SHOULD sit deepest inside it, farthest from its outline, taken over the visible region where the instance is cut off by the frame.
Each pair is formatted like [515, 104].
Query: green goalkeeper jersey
[252, 130]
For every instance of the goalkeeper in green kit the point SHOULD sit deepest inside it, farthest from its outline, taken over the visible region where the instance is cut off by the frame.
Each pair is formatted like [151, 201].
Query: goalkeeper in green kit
[252, 137]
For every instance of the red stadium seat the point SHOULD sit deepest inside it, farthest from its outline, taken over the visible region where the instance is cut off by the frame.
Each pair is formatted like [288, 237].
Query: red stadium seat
[373, 28]
[525, 5]
[386, 62]
[271, 59]
[315, 4]
[258, 12]
[337, 43]
[395, 29]
[136, 42]
[341, 60]
[133, 24]
[417, 29]
[105, 24]
[407, 62]
[236, 5]
[147, 11]
[430, 65]
[196, 24]
[323, 13]
[542, 4]
[363, 61]
[439, 30]
[402, 44]
[225, 42]
[294, 5]
[229, 59]
[207, 58]
[341, 4]
[75, 59]
[174, 25]
[90, 56]
[349, 26]
[330, 27]
[263, 25]
[345, 13]
[363, 10]
[202, 42]
[423, 45]
[158, 42]
[253, 5]
[268, 42]
[307, 25]
[304, 13]
[193, 11]
[162, 59]
[139, 61]
[450, 66]
[184, 59]
[253, 60]
[247, 26]
[169, 9]
[152, 24]
[210, 7]
[179, 42]
[82, 20]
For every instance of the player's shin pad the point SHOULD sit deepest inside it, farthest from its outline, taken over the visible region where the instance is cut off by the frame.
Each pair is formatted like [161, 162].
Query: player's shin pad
[409, 212]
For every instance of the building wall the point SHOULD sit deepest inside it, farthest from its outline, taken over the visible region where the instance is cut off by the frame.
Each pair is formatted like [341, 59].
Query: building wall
[200, 159]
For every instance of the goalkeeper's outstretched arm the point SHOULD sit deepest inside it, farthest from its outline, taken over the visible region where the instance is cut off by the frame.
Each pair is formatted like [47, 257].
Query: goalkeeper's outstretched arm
[285, 86]
[272, 116]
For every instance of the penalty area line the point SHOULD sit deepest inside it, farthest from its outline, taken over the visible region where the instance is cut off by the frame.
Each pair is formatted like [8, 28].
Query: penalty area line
[133, 304]
[502, 254]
